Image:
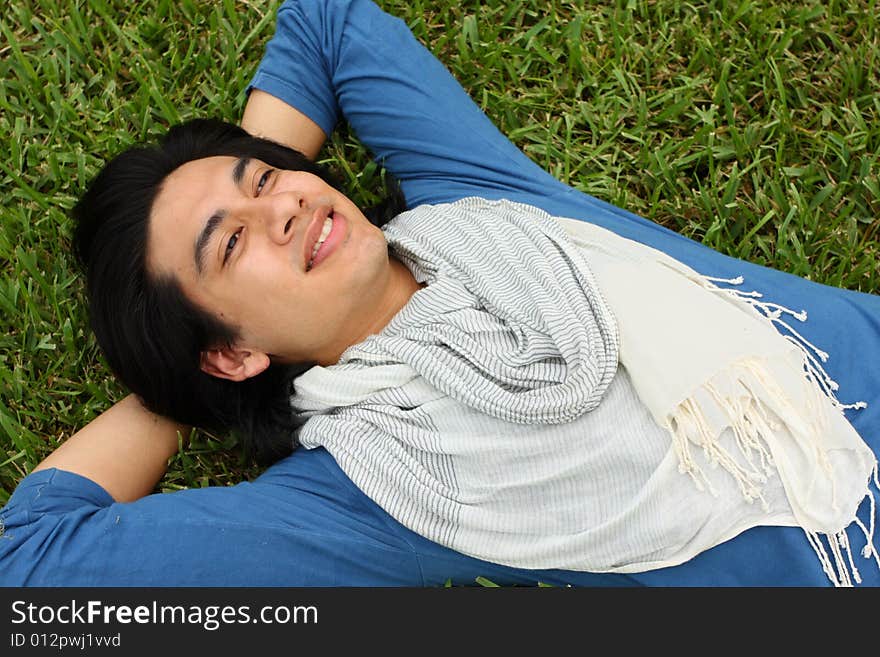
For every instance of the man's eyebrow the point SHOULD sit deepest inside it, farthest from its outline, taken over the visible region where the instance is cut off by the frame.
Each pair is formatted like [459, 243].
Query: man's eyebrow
[205, 237]
[213, 222]
[239, 169]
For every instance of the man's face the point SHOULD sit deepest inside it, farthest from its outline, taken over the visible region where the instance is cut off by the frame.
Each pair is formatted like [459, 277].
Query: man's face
[240, 237]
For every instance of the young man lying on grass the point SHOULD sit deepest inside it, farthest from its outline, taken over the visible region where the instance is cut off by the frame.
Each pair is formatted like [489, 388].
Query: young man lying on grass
[497, 376]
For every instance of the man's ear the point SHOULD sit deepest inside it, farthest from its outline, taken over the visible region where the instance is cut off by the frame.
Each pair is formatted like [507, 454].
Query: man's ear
[233, 363]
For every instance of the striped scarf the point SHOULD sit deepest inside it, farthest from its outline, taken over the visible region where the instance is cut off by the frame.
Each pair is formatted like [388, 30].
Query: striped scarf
[516, 332]
[471, 336]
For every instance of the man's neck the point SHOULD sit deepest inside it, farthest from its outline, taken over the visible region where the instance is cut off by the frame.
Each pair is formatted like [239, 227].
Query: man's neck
[399, 288]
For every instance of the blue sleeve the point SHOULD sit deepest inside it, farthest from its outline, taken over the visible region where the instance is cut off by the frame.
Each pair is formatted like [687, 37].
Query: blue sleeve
[296, 525]
[348, 58]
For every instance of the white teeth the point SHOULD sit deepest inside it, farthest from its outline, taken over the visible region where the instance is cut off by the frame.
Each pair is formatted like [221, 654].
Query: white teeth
[325, 231]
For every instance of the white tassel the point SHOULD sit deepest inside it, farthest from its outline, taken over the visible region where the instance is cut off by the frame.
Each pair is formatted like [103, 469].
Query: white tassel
[689, 425]
[819, 549]
[842, 572]
[870, 550]
[748, 435]
[843, 541]
[773, 313]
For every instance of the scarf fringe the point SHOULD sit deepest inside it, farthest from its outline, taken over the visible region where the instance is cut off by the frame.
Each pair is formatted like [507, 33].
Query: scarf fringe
[690, 426]
[773, 313]
[842, 573]
[750, 423]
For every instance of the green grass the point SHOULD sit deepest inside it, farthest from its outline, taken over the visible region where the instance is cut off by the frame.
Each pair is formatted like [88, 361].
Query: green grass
[751, 126]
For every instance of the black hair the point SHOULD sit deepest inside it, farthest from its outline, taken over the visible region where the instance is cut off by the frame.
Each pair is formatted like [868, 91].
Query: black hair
[150, 333]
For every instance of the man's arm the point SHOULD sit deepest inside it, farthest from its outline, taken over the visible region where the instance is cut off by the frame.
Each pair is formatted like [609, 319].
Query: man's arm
[125, 450]
[271, 118]
[333, 59]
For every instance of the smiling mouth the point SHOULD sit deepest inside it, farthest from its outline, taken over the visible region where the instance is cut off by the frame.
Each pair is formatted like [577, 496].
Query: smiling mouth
[325, 231]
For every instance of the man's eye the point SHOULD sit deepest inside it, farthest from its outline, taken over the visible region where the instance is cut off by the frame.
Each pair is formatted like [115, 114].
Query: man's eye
[231, 245]
[263, 180]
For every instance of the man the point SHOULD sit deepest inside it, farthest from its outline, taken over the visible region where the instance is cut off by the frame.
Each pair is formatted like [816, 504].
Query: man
[82, 517]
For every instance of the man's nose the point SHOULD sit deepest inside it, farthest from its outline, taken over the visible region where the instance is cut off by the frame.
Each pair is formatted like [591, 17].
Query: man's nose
[287, 210]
